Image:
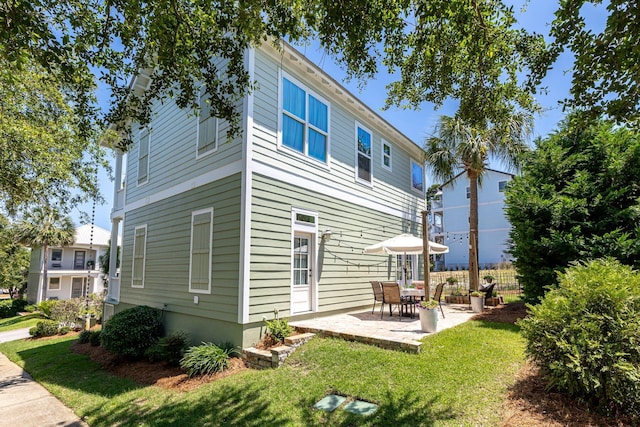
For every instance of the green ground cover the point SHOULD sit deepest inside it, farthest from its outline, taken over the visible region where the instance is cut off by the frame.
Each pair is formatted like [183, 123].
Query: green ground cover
[459, 379]
[19, 322]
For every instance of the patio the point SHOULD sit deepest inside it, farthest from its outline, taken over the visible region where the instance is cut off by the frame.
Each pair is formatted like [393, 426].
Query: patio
[389, 332]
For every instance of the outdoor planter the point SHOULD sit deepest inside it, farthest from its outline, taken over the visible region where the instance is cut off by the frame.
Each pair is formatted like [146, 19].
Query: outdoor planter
[428, 311]
[456, 299]
[477, 304]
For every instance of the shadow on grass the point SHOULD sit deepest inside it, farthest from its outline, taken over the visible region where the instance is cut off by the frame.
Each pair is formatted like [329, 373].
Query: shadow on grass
[19, 319]
[498, 326]
[408, 410]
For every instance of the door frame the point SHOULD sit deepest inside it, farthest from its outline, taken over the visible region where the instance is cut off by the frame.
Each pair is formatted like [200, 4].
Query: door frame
[84, 284]
[305, 221]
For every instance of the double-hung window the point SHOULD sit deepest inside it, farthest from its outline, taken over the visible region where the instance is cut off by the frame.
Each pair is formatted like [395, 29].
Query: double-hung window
[207, 128]
[143, 156]
[501, 186]
[305, 121]
[417, 176]
[363, 150]
[139, 255]
[386, 155]
[200, 262]
[54, 283]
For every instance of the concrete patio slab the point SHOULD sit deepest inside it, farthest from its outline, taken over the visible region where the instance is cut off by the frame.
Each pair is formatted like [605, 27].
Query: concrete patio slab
[389, 332]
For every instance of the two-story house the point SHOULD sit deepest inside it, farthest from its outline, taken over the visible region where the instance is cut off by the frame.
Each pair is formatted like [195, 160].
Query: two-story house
[450, 221]
[72, 271]
[221, 234]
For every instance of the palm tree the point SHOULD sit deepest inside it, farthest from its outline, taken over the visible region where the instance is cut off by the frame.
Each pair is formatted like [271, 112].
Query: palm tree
[41, 228]
[459, 146]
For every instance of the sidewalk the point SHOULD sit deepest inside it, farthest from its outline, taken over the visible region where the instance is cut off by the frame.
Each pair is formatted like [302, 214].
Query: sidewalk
[24, 402]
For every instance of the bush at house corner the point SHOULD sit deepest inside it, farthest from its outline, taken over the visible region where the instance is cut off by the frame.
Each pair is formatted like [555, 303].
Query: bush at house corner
[131, 332]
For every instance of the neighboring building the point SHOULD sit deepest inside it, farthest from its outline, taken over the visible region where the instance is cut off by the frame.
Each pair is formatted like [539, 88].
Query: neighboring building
[223, 234]
[73, 270]
[450, 221]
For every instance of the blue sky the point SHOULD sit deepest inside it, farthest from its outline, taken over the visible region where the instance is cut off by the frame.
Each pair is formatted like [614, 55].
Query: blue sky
[418, 124]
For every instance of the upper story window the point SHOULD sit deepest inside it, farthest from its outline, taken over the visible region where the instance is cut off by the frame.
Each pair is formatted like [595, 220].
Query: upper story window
[207, 128]
[56, 257]
[386, 155]
[305, 121]
[468, 192]
[363, 150]
[417, 176]
[501, 186]
[143, 156]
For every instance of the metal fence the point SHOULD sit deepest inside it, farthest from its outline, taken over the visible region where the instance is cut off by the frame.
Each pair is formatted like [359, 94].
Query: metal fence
[505, 280]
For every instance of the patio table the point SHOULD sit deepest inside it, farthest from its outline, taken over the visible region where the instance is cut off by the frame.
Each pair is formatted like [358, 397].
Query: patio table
[412, 292]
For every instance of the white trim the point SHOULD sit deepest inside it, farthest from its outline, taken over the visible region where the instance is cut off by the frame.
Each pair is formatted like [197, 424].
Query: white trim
[49, 288]
[383, 155]
[424, 182]
[282, 74]
[245, 203]
[210, 241]
[144, 255]
[84, 283]
[217, 131]
[312, 229]
[140, 132]
[198, 181]
[339, 193]
[357, 152]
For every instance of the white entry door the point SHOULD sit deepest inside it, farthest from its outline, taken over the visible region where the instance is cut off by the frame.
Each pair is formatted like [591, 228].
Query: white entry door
[303, 273]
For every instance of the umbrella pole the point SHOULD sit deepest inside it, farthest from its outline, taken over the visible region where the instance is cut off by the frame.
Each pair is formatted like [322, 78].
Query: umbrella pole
[425, 253]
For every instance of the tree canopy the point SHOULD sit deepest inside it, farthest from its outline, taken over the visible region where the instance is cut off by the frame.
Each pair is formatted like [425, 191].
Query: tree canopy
[578, 198]
[44, 156]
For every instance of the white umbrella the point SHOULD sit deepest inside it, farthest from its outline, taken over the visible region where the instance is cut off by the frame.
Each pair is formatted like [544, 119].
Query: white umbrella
[405, 244]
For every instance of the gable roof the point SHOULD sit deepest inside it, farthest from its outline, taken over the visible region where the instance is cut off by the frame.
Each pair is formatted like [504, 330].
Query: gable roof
[100, 236]
[510, 175]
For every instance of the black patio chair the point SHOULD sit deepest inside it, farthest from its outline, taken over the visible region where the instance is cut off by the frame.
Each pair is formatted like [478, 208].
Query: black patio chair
[488, 291]
[391, 295]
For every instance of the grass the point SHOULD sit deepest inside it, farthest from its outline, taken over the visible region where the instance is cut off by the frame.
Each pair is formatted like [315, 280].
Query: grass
[19, 322]
[459, 379]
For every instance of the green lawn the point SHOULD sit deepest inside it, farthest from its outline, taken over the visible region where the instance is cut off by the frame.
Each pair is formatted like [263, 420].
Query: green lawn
[459, 379]
[19, 322]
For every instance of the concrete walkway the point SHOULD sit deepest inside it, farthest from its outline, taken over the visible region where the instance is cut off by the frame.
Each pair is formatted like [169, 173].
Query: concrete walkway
[24, 402]
[388, 332]
[14, 335]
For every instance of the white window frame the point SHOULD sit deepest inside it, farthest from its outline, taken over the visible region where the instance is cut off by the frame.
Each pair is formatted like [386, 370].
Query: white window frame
[357, 152]
[305, 143]
[421, 166]
[49, 288]
[140, 136]
[193, 215]
[216, 133]
[504, 185]
[383, 155]
[57, 263]
[144, 256]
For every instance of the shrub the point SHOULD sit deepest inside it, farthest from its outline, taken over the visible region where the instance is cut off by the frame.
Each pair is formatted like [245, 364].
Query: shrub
[44, 328]
[64, 330]
[46, 306]
[84, 337]
[169, 349]
[19, 304]
[205, 359]
[279, 329]
[131, 332]
[30, 308]
[67, 311]
[585, 335]
[94, 338]
[11, 307]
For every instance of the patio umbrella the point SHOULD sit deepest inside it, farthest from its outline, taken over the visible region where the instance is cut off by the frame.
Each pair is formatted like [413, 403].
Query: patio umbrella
[405, 244]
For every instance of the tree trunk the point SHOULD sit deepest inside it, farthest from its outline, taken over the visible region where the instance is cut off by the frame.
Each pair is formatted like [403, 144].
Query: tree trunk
[425, 255]
[474, 273]
[45, 263]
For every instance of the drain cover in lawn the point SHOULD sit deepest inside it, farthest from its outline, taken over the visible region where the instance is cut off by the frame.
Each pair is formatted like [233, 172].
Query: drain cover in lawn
[360, 407]
[330, 403]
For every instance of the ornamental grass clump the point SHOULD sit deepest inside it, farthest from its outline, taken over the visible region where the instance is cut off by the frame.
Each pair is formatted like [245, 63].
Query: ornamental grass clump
[205, 359]
[585, 335]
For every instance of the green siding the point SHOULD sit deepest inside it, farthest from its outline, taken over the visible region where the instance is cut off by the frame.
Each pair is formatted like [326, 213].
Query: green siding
[166, 278]
[344, 271]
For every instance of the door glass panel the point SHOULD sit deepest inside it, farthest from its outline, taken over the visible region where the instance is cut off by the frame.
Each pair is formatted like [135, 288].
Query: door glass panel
[76, 287]
[300, 261]
[78, 263]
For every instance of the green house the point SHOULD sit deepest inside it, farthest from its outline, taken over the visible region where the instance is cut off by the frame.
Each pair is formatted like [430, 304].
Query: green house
[221, 235]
